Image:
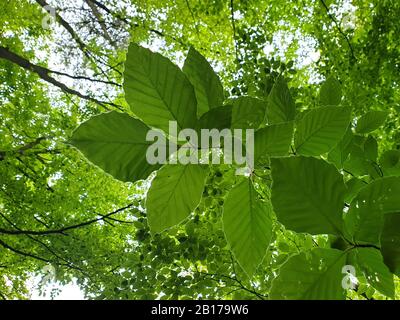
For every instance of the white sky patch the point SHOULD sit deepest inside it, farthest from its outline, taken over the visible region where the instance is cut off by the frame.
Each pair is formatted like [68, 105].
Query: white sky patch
[307, 54]
[281, 42]
[237, 15]
[156, 45]
[52, 180]
[268, 49]
[345, 14]
[70, 291]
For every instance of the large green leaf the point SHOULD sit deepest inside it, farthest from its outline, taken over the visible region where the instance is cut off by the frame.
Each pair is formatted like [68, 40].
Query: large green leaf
[321, 129]
[281, 107]
[308, 195]
[370, 261]
[273, 140]
[116, 143]
[390, 162]
[371, 148]
[390, 242]
[157, 91]
[247, 225]
[371, 121]
[313, 275]
[365, 217]
[362, 155]
[217, 118]
[207, 86]
[339, 154]
[174, 193]
[356, 162]
[248, 113]
[354, 185]
[331, 92]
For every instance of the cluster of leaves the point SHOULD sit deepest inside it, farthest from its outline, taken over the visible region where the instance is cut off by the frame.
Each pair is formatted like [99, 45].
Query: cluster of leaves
[316, 172]
[45, 186]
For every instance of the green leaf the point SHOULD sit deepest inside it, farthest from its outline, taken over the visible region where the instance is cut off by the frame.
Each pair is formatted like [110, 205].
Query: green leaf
[354, 185]
[116, 143]
[247, 225]
[281, 107]
[390, 242]
[390, 162]
[371, 121]
[313, 275]
[339, 154]
[359, 140]
[273, 140]
[308, 195]
[174, 193]
[365, 217]
[321, 129]
[218, 118]
[157, 91]
[371, 148]
[207, 86]
[370, 261]
[248, 113]
[331, 92]
[356, 163]
[361, 159]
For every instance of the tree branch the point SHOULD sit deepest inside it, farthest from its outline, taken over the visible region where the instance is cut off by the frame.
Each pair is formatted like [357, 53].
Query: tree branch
[75, 37]
[25, 254]
[136, 25]
[62, 230]
[43, 73]
[234, 32]
[100, 20]
[339, 29]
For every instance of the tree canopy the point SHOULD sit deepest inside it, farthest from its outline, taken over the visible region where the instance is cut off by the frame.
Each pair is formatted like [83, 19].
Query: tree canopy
[83, 81]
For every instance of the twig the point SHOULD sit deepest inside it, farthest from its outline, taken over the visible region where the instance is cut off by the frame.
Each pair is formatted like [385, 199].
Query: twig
[234, 33]
[43, 73]
[339, 29]
[62, 230]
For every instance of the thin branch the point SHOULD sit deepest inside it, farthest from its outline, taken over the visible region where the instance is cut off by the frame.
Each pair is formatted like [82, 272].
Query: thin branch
[82, 46]
[102, 6]
[3, 296]
[233, 279]
[63, 230]
[132, 24]
[43, 73]
[194, 20]
[234, 32]
[25, 254]
[21, 150]
[117, 220]
[100, 20]
[36, 257]
[84, 78]
[339, 29]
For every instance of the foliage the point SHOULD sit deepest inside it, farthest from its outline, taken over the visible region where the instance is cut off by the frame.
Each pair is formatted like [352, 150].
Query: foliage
[324, 190]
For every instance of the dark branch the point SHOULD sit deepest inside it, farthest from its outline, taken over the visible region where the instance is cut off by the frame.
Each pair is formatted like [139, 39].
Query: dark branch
[100, 20]
[339, 29]
[234, 32]
[25, 254]
[63, 230]
[43, 73]
[82, 46]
